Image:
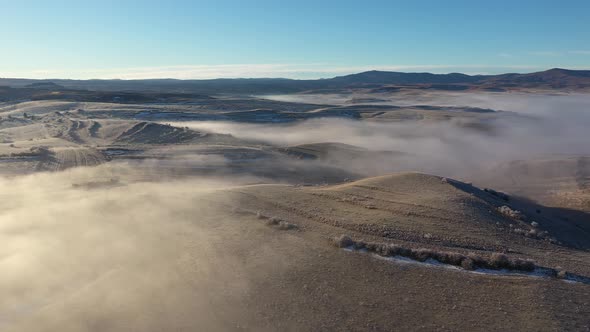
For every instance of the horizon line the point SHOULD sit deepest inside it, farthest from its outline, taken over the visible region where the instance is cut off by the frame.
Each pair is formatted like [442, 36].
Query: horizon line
[335, 72]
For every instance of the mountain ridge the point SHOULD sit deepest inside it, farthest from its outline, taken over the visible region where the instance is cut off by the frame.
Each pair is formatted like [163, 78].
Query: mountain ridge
[555, 78]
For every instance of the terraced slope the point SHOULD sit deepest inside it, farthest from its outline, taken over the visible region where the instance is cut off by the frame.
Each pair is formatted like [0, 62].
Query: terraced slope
[59, 159]
[154, 133]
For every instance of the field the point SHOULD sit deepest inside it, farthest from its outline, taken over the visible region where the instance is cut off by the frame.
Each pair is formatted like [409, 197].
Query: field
[346, 210]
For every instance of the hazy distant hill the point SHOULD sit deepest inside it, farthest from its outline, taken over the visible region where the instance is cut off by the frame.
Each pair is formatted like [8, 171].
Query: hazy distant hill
[555, 78]
[388, 77]
[551, 79]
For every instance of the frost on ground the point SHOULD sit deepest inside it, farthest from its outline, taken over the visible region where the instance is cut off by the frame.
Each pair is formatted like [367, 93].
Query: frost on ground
[495, 264]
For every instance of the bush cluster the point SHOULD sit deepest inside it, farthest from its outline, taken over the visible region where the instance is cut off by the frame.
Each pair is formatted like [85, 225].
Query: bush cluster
[507, 211]
[471, 261]
[281, 224]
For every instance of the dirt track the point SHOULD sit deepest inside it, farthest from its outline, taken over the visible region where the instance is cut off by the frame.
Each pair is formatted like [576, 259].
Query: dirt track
[65, 158]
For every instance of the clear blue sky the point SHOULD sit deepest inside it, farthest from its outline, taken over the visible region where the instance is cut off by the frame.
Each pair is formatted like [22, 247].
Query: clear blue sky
[134, 39]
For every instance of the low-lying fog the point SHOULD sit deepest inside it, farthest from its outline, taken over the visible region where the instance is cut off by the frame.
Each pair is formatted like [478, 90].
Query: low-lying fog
[515, 102]
[115, 257]
[536, 126]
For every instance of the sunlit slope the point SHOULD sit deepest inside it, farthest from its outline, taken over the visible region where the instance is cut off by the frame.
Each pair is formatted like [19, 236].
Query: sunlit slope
[421, 209]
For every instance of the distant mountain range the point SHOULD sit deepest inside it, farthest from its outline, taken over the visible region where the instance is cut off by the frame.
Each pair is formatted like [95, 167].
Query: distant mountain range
[375, 81]
[552, 79]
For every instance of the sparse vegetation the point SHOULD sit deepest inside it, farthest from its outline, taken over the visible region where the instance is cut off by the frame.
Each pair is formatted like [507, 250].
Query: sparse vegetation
[514, 214]
[358, 245]
[499, 261]
[519, 231]
[534, 233]
[471, 261]
[272, 221]
[344, 241]
[283, 225]
[277, 222]
[468, 264]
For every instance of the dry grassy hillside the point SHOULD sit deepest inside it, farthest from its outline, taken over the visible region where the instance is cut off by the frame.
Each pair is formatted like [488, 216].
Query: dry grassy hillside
[238, 213]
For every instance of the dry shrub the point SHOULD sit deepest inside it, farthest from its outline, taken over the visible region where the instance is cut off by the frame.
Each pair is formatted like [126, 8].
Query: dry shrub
[371, 246]
[422, 254]
[533, 233]
[388, 250]
[441, 256]
[476, 259]
[499, 261]
[358, 245]
[382, 249]
[455, 258]
[523, 264]
[273, 221]
[343, 241]
[468, 264]
[507, 211]
[406, 252]
[520, 231]
[396, 250]
[283, 225]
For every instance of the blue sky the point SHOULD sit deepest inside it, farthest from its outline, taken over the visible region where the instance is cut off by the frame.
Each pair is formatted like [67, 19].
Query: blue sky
[298, 39]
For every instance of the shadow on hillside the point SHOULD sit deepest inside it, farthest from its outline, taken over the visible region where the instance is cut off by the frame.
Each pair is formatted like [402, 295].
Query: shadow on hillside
[571, 228]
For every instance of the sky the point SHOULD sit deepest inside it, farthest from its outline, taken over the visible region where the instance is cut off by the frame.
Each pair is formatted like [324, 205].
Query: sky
[295, 39]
